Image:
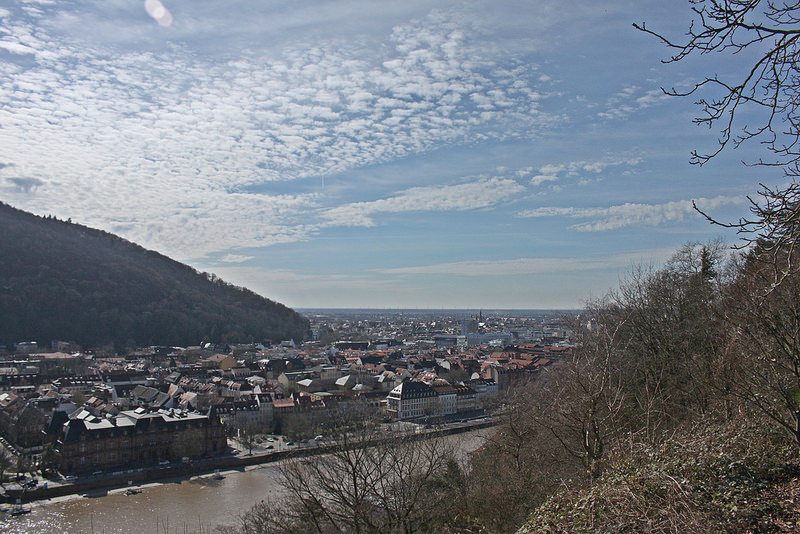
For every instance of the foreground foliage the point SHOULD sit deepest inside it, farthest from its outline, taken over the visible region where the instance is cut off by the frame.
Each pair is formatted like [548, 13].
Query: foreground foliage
[373, 481]
[713, 477]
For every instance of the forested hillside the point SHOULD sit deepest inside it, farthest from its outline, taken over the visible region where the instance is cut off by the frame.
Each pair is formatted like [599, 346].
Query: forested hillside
[63, 281]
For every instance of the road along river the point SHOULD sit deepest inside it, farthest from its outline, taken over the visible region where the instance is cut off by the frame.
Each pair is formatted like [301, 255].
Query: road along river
[196, 505]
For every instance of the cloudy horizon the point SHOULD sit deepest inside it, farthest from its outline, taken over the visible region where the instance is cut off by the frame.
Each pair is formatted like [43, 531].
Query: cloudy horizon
[369, 154]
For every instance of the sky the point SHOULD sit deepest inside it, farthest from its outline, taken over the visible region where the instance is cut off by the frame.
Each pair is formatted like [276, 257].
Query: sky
[381, 154]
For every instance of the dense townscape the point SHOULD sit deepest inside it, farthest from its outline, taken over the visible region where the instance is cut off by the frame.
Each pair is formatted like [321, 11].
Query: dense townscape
[80, 411]
[462, 147]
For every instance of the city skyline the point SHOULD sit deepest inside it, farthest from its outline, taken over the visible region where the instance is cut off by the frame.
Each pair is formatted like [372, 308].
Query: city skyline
[370, 155]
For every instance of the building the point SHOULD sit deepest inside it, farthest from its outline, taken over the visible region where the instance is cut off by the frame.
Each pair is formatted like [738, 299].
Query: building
[85, 442]
[466, 399]
[412, 400]
[219, 361]
[447, 399]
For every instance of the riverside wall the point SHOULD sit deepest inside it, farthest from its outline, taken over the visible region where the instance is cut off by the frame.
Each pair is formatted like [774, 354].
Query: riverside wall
[136, 477]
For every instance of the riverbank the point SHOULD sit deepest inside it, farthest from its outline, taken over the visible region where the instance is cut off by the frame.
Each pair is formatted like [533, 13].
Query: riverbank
[97, 486]
[197, 505]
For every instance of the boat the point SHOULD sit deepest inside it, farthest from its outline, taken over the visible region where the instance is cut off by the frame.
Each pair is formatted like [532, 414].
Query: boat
[133, 491]
[18, 509]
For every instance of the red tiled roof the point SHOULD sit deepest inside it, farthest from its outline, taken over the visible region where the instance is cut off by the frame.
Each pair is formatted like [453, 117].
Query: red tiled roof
[283, 403]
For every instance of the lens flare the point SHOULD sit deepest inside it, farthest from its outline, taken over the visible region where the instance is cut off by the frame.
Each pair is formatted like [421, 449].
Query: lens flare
[157, 10]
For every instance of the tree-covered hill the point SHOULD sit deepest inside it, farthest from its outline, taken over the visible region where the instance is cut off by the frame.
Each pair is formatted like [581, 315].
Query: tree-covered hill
[64, 281]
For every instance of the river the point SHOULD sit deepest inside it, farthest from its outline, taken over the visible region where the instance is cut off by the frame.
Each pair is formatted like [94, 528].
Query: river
[196, 506]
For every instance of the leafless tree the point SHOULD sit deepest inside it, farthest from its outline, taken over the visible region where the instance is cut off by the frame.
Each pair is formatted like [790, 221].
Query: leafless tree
[521, 463]
[766, 34]
[767, 343]
[672, 340]
[23, 464]
[762, 304]
[371, 481]
[5, 463]
[763, 35]
[585, 398]
[248, 435]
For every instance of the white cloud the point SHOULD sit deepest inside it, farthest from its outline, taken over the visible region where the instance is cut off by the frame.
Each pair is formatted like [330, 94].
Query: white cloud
[235, 258]
[552, 172]
[16, 48]
[528, 266]
[630, 100]
[482, 193]
[167, 144]
[552, 169]
[539, 179]
[629, 214]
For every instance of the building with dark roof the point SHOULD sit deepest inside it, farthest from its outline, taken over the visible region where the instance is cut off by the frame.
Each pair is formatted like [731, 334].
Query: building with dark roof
[86, 442]
[411, 400]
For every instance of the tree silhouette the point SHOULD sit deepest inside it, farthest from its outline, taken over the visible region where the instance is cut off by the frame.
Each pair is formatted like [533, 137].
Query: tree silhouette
[765, 36]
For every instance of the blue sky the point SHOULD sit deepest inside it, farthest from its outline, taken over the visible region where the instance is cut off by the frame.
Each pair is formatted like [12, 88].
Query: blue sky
[338, 153]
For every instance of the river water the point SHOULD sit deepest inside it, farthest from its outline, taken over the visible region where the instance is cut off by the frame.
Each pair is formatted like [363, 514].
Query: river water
[196, 506]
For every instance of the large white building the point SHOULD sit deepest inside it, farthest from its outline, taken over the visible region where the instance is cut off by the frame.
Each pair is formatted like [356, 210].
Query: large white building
[412, 400]
[415, 400]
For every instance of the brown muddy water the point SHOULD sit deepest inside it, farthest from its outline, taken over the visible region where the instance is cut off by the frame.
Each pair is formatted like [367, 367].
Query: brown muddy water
[195, 506]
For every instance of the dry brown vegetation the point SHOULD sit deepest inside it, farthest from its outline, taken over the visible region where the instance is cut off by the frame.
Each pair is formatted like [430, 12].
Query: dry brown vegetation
[678, 413]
